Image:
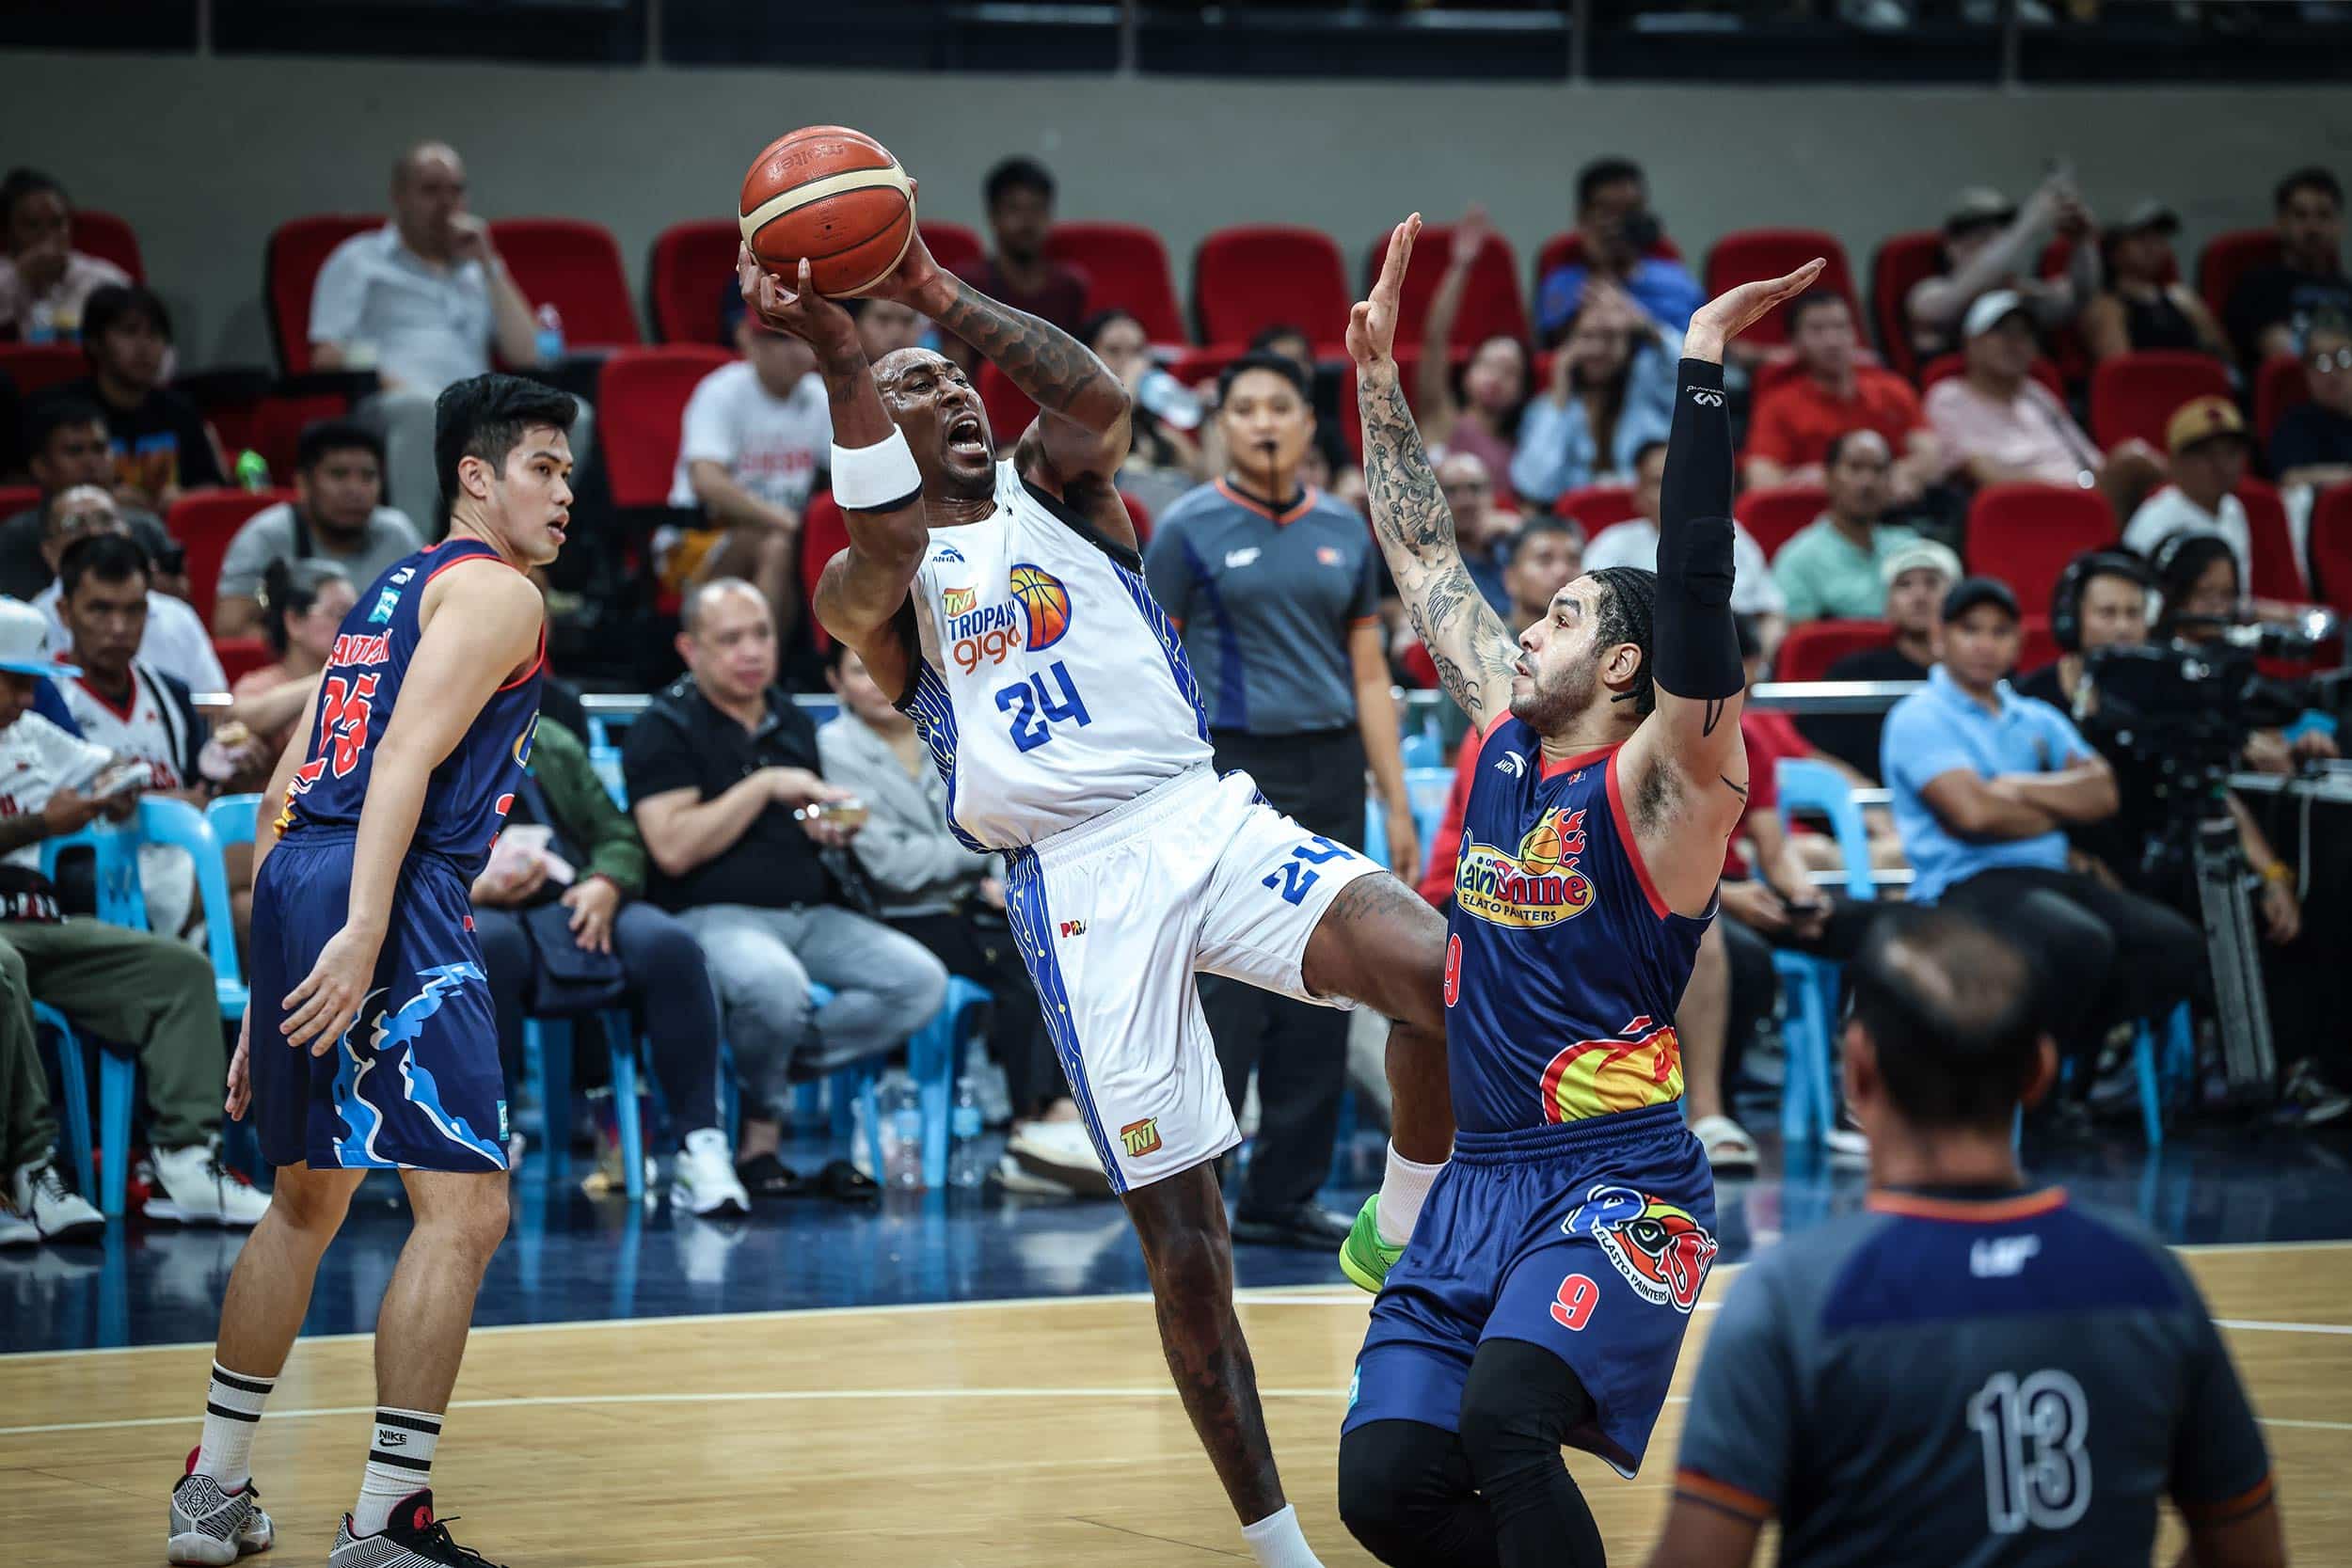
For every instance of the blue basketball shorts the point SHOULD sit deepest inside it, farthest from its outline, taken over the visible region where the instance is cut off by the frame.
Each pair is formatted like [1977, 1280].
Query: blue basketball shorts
[1591, 1239]
[415, 1083]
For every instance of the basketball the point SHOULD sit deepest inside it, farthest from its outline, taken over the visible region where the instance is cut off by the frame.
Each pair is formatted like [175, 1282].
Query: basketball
[833, 196]
[1046, 601]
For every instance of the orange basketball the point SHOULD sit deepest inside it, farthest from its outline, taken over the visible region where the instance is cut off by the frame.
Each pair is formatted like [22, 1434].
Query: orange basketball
[834, 195]
[1046, 601]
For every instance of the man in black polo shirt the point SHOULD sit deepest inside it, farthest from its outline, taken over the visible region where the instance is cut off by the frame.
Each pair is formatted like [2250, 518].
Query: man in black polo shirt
[717, 768]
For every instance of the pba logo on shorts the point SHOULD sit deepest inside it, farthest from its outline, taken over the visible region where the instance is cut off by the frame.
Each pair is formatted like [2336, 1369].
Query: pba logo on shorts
[1642, 1066]
[1536, 887]
[1140, 1137]
[979, 635]
[1662, 1252]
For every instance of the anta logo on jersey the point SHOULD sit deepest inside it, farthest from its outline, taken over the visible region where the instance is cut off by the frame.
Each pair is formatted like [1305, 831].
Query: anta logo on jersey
[1662, 1252]
[353, 647]
[982, 636]
[1642, 1066]
[1536, 887]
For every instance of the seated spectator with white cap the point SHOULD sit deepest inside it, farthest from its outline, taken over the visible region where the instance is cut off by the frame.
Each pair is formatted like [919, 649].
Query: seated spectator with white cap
[1916, 578]
[174, 641]
[2208, 442]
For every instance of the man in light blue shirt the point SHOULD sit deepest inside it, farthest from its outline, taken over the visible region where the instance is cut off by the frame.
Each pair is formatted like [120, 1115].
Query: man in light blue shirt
[1613, 215]
[1834, 566]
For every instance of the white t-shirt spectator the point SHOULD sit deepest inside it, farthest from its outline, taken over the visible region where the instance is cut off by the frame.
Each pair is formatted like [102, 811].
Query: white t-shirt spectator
[772, 446]
[1634, 542]
[269, 536]
[162, 729]
[83, 276]
[428, 325]
[176, 642]
[38, 758]
[2169, 512]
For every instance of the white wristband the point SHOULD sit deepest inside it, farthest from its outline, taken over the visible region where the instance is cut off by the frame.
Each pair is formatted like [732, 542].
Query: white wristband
[878, 477]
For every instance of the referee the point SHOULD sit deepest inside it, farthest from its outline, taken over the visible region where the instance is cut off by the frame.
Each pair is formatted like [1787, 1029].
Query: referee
[1973, 1370]
[1275, 589]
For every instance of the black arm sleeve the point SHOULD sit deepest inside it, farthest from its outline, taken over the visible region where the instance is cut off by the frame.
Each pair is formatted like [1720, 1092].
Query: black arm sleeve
[1698, 647]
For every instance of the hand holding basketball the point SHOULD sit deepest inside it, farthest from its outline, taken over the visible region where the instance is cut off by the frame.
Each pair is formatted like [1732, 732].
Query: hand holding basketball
[1372, 325]
[828, 204]
[799, 310]
[915, 280]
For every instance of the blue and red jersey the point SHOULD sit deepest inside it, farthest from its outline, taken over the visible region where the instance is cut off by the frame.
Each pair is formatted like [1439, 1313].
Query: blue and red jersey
[469, 795]
[1564, 965]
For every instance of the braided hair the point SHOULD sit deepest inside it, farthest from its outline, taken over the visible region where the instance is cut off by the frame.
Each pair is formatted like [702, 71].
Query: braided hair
[1627, 611]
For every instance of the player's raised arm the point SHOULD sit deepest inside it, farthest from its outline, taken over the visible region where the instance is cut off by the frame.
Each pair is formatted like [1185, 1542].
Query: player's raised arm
[1684, 769]
[863, 589]
[1473, 651]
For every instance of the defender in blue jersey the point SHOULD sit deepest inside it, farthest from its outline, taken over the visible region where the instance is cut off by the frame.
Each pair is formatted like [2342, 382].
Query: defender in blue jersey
[1555, 1263]
[1971, 1371]
[370, 1042]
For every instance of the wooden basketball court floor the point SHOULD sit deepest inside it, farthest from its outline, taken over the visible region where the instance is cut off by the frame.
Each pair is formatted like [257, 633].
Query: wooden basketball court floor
[999, 1435]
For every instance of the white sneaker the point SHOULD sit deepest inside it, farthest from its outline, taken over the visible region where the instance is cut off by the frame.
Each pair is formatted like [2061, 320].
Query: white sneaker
[1060, 1154]
[195, 1190]
[213, 1527]
[1846, 1143]
[59, 1212]
[702, 1177]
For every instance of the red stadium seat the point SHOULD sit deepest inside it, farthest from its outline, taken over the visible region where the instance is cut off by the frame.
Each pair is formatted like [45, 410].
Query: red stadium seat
[1009, 411]
[289, 271]
[1944, 366]
[2135, 394]
[37, 366]
[1195, 365]
[241, 656]
[1139, 516]
[824, 533]
[1902, 260]
[1491, 307]
[2278, 385]
[277, 427]
[951, 245]
[110, 239]
[2025, 535]
[1773, 516]
[2229, 257]
[1255, 276]
[1749, 254]
[575, 266]
[1126, 268]
[691, 264]
[1597, 506]
[641, 400]
[2277, 573]
[203, 521]
[18, 498]
[2332, 548]
[1812, 646]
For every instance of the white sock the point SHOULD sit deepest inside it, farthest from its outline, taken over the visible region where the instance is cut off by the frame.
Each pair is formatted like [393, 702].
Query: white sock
[1277, 1542]
[233, 1412]
[1403, 1187]
[399, 1462]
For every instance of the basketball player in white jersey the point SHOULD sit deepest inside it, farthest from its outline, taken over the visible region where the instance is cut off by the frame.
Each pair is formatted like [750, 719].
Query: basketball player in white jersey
[1003, 605]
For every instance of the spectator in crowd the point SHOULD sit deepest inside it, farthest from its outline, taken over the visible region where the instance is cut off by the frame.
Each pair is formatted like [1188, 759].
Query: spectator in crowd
[1916, 577]
[1019, 195]
[1797, 421]
[754, 437]
[1275, 588]
[44, 281]
[422, 302]
[2271, 308]
[1634, 542]
[1164, 457]
[36, 1205]
[1477, 411]
[157, 442]
[952, 900]
[149, 991]
[2199, 592]
[302, 605]
[2209, 445]
[12, 431]
[337, 517]
[720, 769]
[174, 641]
[1487, 532]
[584, 889]
[2145, 306]
[884, 325]
[1612, 394]
[1618, 236]
[1834, 566]
[64, 439]
[1991, 246]
[2000, 424]
[2312, 448]
[1985, 783]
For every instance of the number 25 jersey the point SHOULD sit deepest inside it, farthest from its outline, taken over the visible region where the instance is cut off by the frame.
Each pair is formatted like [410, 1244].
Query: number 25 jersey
[1049, 684]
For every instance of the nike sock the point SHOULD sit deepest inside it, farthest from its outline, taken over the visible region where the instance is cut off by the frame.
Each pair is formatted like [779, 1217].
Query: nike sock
[399, 1462]
[1277, 1542]
[1403, 1187]
[232, 1411]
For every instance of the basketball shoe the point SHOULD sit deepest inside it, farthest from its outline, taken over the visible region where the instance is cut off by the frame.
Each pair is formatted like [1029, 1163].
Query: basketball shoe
[213, 1526]
[412, 1539]
[1364, 1257]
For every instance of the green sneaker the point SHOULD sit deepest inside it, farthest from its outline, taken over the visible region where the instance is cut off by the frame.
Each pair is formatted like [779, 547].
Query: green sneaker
[1364, 1257]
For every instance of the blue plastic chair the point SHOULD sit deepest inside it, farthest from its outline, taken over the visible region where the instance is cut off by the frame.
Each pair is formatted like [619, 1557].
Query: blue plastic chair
[547, 1057]
[934, 1060]
[1808, 1096]
[2172, 1072]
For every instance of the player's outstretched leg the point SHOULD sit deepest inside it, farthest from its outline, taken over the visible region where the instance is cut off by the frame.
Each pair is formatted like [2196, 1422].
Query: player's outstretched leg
[1181, 1223]
[419, 1340]
[215, 1509]
[1383, 945]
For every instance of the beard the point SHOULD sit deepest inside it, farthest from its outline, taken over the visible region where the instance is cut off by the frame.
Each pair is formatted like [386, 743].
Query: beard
[1560, 696]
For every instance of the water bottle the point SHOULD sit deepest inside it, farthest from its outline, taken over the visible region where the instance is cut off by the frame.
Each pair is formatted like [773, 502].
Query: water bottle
[963, 1126]
[902, 1134]
[41, 323]
[252, 470]
[550, 336]
[1166, 399]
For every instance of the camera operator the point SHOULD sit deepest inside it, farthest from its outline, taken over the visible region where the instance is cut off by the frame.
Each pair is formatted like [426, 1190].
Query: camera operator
[2198, 593]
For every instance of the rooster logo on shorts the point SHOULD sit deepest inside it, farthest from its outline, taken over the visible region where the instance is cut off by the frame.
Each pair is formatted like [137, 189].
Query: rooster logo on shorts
[1662, 1252]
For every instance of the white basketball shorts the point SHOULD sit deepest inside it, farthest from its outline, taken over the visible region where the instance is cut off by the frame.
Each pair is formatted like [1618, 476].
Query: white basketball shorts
[1114, 916]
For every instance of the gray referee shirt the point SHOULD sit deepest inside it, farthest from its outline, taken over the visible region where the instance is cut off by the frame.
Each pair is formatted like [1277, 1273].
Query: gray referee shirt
[1978, 1380]
[1266, 602]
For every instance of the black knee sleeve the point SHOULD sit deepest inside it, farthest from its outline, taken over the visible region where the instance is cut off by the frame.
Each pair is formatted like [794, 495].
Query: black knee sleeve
[1698, 646]
[1405, 1496]
[1520, 1407]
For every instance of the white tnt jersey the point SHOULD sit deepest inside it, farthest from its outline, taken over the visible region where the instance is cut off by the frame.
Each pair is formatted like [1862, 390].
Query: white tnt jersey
[1050, 686]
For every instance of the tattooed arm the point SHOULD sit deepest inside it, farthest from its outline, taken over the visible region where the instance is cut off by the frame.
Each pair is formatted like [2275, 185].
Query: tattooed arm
[1466, 641]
